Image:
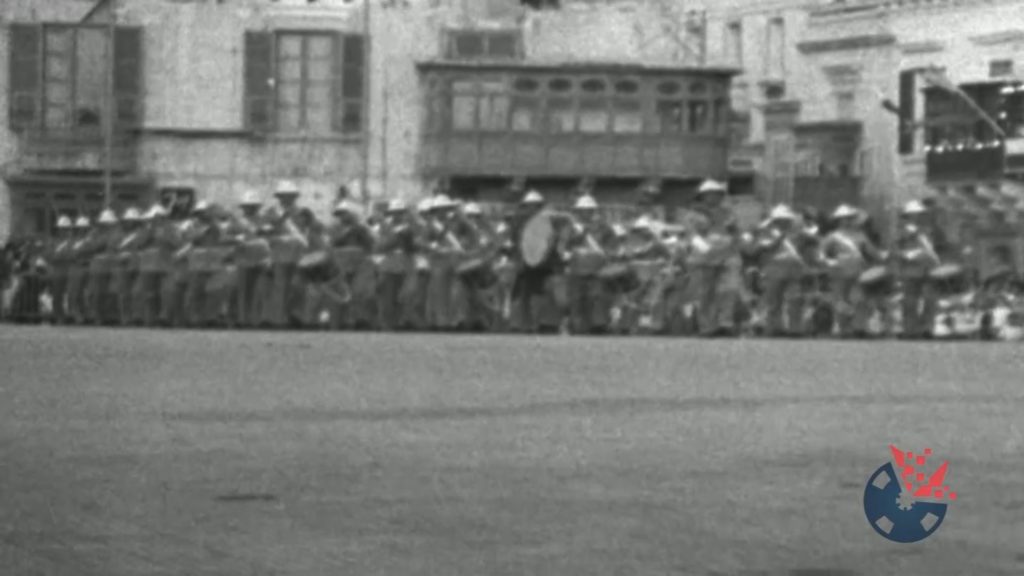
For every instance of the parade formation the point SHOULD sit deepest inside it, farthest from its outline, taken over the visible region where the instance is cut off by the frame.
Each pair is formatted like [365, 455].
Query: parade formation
[445, 265]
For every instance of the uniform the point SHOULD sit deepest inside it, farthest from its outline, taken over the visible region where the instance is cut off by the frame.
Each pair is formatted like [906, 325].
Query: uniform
[154, 264]
[354, 242]
[397, 278]
[917, 258]
[251, 258]
[127, 267]
[287, 246]
[847, 253]
[535, 296]
[589, 302]
[99, 299]
[60, 263]
[717, 266]
[443, 251]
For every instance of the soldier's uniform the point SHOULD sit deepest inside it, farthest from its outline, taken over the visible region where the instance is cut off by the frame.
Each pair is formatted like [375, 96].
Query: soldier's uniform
[535, 297]
[287, 246]
[61, 260]
[133, 237]
[175, 238]
[589, 302]
[154, 264]
[252, 255]
[847, 253]
[475, 297]
[397, 279]
[917, 258]
[353, 243]
[101, 303]
[443, 251]
[78, 270]
[716, 263]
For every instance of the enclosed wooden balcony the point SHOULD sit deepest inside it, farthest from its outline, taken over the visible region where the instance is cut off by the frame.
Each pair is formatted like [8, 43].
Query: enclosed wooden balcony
[577, 120]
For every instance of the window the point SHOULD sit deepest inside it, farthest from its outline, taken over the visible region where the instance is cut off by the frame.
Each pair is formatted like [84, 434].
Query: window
[304, 82]
[479, 105]
[463, 105]
[541, 4]
[734, 44]
[593, 115]
[907, 97]
[722, 117]
[697, 116]
[627, 117]
[493, 106]
[561, 116]
[525, 105]
[999, 68]
[775, 57]
[670, 116]
[845, 106]
[484, 44]
[59, 76]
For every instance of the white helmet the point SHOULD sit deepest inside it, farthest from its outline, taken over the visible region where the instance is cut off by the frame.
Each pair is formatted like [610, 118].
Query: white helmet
[82, 222]
[397, 206]
[533, 197]
[346, 206]
[472, 209]
[585, 202]
[443, 201]
[131, 215]
[425, 205]
[914, 207]
[711, 185]
[250, 198]
[64, 222]
[783, 212]
[107, 217]
[845, 211]
[287, 188]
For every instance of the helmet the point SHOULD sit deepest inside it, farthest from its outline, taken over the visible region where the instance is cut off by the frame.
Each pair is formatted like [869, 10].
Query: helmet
[442, 201]
[533, 197]
[914, 207]
[845, 211]
[107, 217]
[201, 207]
[287, 188]
[346, 206]
[63, 223]
[82, 222]
[250, 198]
[425, 205]
[397, 206]
[131, 215]
[782, 212]
[585, 202]
[472, 209]
[710, 185]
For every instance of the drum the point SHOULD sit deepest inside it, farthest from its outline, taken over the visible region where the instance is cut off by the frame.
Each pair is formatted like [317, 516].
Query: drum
[253, 252]
[946, 272]
[318, 267]
[477, 272]
[876, 280]
[537, 239]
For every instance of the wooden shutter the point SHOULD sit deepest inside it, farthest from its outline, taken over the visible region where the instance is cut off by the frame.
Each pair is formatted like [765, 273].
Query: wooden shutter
[259, 81]
[25, 76]
[907, 97]
[349, 61]
[128, 77]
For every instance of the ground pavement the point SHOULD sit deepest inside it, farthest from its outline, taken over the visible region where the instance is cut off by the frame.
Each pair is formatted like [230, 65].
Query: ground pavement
[138, 453]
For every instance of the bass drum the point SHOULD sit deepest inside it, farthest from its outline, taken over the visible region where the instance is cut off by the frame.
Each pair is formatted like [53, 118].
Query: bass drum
[537, 239]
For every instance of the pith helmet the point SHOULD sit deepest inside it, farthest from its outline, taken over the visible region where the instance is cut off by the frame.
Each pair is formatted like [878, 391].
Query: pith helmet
[711, 185]
[782, 212]
[585, 202]
[533, 197]
[845, 211]
[914, 207]
[63, 223]
[107, 217]
[82, 222]
[250, 198]
[287, 188]
[396, 206]
[131, 215]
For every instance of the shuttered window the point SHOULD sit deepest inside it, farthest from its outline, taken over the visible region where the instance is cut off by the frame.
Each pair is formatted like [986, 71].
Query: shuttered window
[59, 76]
[304, 82]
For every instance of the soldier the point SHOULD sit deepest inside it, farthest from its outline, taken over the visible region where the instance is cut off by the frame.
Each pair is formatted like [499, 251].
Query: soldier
[475, 296]
[353, 242]
[648, 255]
[251, 257]
[589, 304]
[533, 294]
[78, 270]
[133, 238]
[397, 248]
[443, 249]
[154, 262]
[60, 264]
[917, 258]
[201, 305]
[784, 271]
[716, 261]
[176, 240]
[847, 253]
[100, 308]
[287, 245]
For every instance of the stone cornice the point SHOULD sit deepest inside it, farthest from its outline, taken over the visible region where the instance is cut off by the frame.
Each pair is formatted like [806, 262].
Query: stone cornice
[861, 42]
[925, 47]
[996, 38]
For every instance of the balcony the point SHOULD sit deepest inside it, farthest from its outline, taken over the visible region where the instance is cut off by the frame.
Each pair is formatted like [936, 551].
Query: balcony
[864, 8]
[73, 151]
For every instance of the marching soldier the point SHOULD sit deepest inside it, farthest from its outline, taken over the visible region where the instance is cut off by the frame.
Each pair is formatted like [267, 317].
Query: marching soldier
[847, 253]
[397, 248]
[61, 260]
[287, 245]
[589, 305]
[99, 308]
[252, 260]
[443, 250]
[352, 242]
[78, 271]
[716, 262]
[133, 237]
[176, 239]
[154, 263]
[474, 296]
[917, 258]
[784, 270]
[532, 294]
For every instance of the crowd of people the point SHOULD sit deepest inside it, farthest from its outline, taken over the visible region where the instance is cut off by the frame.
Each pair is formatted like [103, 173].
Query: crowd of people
[446, 265]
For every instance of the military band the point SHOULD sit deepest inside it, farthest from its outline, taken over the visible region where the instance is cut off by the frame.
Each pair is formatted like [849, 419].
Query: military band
[445, 265]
